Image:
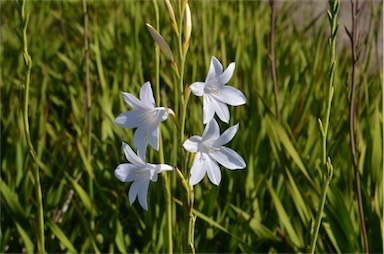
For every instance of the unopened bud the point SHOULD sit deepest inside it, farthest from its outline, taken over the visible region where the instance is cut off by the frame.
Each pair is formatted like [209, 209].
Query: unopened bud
[187, 26]
[161, 42]
[171, 15]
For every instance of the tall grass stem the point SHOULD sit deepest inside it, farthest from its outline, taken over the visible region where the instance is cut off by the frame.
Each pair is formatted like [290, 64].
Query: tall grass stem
[36, 170]
[353, 35]
[166, 180]
[326, 162]
[272, 58]
[88, 101]
[189, 244]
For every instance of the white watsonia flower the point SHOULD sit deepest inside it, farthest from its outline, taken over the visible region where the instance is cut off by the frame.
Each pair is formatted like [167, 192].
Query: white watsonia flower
[141, 173]
[216, 93]
[145, 117]
[210, 151]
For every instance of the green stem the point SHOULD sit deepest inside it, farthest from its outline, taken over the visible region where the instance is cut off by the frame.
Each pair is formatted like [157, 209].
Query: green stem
[326, 164]
[321, 209]
[166, 180]
[36, 172]
[189, 244]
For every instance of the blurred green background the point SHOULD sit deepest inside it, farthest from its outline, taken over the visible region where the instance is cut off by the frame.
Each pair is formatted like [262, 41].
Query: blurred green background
[264, 208]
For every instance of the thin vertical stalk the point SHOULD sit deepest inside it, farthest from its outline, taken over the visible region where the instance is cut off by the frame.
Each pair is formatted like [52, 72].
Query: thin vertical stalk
[326, 161]
[354, 41]
[36, 170]
[182, 55]
[88, 101]
[189, 199]
[272, 57]
[166, 180]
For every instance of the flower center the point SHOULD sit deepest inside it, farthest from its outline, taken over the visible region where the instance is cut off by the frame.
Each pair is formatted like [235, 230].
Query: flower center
[148, 116]
[207, 148]
[212, 89]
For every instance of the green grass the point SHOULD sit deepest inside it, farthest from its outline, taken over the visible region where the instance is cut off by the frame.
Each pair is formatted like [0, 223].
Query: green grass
[264, 208]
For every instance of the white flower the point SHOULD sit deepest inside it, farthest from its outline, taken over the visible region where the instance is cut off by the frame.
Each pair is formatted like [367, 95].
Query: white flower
[210, 151]
[141, 173]
[145, 117]
[216, 93]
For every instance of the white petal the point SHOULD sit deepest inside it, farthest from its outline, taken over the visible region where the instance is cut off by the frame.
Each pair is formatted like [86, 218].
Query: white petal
[192, 143]
[143, 192]
[231, 96]
[139, 188]
[140, 140]
[227, 136]
[154, 176]
[215, 69]
[197, 88]
[221, 110]
[213, 171]
[126, 172]
[227, 74]
[208, 109]
[198, 169]
[211, 131]
[158, 168]
[131, 156]
[129, 119]
[153, 135]
[228, 158]
[132, 101]
[146, 95]
[162, 114]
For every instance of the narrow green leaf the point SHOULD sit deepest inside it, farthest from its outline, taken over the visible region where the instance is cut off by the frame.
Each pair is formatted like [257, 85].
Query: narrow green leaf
[257, 227]
[377, 145]
[284, 218]
[331, 236]
[283, 137]
[119, 239]
[85, 160]
[29, 245]
[214, 223]
[56, 230]
[12, 199]
[68, 62]
[298, 199]
[85, 198]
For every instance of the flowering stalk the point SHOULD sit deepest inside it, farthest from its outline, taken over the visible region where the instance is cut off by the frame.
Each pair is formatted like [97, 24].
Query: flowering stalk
[183, 36]
[36, 172]
[166, 181]
[326, 162]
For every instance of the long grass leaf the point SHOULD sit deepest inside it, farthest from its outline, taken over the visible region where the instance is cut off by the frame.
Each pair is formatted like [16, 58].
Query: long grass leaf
[56, 230]
[83, 195]
[215, 224]
[12, 199]
[289, 147]
[260, 230]
[29, 245]
[284, 218]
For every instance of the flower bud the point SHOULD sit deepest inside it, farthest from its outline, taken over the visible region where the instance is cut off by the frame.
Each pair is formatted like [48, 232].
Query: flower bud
[171, 15]
[187, 26]
[161, 42]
